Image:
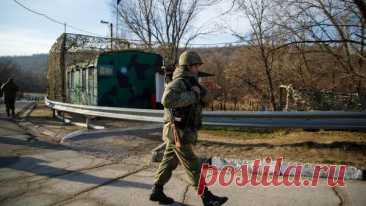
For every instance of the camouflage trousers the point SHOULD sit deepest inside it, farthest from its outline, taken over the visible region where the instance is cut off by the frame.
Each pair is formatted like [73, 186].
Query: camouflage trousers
[172, 157]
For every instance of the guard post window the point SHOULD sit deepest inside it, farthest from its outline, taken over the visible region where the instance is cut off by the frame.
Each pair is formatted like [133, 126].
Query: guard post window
[106, 70]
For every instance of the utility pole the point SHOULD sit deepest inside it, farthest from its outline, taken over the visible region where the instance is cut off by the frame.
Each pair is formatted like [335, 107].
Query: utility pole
[111, 31]
[117, 21]
[118, 1]
[111, 25]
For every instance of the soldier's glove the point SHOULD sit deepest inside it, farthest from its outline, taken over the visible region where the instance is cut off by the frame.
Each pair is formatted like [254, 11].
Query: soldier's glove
[203, 91]
[197, 92]
[206, 98]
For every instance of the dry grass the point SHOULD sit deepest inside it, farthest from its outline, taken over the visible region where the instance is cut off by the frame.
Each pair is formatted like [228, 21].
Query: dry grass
[339, 147]
[41, 111]
[280, 136]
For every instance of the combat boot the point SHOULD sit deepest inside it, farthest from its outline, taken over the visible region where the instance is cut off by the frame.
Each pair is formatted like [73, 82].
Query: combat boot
[209, 199]
[158, 195]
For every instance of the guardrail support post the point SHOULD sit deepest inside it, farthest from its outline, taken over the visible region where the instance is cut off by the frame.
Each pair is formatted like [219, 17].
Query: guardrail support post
[63, 116]
[87, 122]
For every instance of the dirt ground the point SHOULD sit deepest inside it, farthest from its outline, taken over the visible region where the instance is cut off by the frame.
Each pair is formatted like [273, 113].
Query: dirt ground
[339, 147]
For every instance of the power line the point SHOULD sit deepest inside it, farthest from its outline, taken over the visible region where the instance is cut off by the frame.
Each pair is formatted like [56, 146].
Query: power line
[218, 43]
[53, 19]
[82, 30]
[95, 34]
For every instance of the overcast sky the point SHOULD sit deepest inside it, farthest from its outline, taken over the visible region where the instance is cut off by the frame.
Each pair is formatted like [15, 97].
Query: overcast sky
[24, 33]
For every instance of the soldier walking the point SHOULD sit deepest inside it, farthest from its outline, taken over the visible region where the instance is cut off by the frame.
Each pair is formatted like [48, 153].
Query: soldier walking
[183, 100]
[9, 90]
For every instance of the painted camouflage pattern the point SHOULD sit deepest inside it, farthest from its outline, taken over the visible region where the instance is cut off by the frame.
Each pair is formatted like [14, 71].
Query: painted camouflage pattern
[132, 83]
[115, 79]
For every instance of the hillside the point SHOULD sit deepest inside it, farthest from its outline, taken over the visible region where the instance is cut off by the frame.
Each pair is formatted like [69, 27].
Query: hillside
[35, 63]
[29, 72]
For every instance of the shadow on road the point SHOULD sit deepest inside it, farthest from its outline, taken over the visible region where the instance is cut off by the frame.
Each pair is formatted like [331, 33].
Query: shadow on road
[151, 134]
[39, 167]
[31, 142]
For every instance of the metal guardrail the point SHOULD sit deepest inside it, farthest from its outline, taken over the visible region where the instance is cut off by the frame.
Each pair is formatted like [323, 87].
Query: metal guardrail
[306, 120]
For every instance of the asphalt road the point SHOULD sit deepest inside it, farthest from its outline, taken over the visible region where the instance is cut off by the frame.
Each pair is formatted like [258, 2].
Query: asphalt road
[34, 172]
[101, 168]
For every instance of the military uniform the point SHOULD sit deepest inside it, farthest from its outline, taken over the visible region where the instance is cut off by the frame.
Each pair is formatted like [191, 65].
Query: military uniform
[9, 90]
[181, 102]
[177, 95]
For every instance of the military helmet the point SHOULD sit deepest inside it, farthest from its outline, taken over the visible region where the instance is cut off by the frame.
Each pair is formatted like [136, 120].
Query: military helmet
[188, 58]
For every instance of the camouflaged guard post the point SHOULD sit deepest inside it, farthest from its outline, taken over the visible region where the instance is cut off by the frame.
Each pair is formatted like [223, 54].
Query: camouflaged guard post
[127, 79]
[72, 49]
[115, 79]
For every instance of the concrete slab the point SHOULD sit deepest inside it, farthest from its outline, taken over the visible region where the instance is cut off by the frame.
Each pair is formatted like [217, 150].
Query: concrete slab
[250, 195]
[61, 188]
[8, 128]
[48, 165]
[356, 191]
[15, 141]
[132, 190]
[28, 171]
[87, 202]
[55, 175]
[19, 106]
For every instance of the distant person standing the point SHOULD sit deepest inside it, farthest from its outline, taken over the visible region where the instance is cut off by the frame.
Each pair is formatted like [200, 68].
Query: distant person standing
[9, 90]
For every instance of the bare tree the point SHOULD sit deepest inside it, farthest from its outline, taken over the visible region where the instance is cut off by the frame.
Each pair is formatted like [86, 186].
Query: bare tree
[362, 7]
[169, 23]
[336, 28]
[27, 80]
[260, 38]
[8, 69]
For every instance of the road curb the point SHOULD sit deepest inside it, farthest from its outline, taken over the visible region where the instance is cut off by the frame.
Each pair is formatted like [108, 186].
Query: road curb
[25, 111]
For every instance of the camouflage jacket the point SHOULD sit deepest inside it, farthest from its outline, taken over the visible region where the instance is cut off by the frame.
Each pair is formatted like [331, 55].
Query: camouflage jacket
[177, 95]
[9, 90]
